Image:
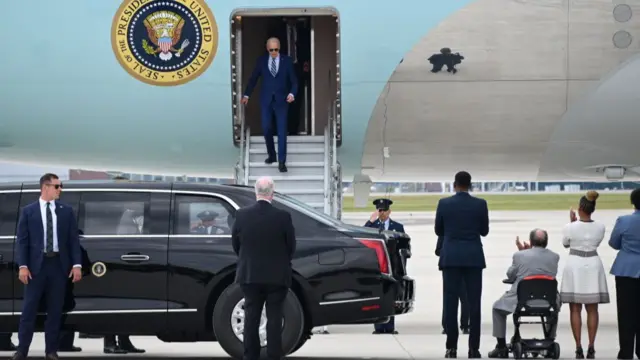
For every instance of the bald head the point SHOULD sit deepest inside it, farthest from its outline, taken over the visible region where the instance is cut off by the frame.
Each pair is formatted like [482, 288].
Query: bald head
[538, 238]
[273, 46]
[264, 188]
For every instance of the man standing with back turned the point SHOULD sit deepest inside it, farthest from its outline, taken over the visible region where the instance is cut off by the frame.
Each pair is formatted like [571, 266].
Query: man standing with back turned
[279, 87]
[461, 220]
[48, 251]
[264, 239]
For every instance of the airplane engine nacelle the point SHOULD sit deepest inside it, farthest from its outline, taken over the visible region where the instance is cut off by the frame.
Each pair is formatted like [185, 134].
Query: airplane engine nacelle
[614, 173]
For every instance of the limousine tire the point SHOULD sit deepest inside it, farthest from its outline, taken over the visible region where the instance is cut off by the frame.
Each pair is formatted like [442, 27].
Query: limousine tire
[231, 300]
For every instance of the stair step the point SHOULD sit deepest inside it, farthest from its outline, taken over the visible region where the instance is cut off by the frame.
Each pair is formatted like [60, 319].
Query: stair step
[289, 164]
[290, 139]
[289, 151]
[290, 178]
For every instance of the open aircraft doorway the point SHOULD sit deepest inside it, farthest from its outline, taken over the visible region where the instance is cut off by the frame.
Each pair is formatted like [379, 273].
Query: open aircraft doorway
[310, 36]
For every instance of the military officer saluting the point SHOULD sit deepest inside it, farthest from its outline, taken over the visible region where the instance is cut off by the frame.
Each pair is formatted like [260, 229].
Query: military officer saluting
[380, 220]
[207, 225]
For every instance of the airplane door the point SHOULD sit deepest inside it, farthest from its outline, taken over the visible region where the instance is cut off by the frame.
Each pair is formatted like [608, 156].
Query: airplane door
[9, 212]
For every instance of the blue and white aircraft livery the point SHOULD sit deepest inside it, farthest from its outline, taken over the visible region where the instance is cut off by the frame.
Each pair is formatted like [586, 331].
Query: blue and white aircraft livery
[541, 89]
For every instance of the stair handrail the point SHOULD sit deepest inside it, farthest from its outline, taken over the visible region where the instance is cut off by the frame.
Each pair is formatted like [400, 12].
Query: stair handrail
[247, 139]
[338, 193]
[327, 171]
[241, 163]
[335, 171]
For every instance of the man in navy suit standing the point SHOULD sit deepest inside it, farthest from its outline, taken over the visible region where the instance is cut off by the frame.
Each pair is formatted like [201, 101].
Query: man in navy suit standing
[279, 87]
[48, 251]
[461, 220]
[380, 220]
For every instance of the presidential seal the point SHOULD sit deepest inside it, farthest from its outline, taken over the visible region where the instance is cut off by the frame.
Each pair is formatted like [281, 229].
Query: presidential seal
[164, 42]
[98, 269]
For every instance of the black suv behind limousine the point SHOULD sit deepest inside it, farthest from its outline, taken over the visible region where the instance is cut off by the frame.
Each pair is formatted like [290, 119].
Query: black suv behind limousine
[149, 270]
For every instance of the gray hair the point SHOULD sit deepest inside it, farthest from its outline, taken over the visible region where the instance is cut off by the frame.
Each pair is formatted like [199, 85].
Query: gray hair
[538, 238]
[264, 188]
[273, 39]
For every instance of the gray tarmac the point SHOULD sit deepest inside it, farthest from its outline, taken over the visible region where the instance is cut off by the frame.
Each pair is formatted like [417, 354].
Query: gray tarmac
[419, 332]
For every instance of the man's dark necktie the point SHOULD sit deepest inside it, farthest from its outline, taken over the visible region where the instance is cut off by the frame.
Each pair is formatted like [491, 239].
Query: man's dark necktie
[49, 229]
[273, 67]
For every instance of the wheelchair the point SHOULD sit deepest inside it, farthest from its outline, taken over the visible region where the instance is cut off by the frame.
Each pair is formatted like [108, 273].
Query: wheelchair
[537, 297]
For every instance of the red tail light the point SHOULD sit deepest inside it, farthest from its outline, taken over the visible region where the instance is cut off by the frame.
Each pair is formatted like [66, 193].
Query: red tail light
[379, 247]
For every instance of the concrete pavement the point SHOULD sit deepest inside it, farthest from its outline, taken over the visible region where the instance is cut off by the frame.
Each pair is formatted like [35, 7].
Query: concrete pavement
[419, 336]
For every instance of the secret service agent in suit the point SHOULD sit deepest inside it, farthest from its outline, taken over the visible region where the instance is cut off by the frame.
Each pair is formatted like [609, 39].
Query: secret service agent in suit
[279, 88]
[462, 220]
[464, 304]
[380, 220]
[625, 237]
[48, 251]
[264, 239]
[532, 259]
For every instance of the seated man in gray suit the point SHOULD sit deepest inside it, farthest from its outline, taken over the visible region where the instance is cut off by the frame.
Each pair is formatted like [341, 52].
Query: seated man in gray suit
[531, 259]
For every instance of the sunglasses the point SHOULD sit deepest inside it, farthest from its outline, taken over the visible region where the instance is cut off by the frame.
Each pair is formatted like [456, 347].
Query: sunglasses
[56, 186]
[274, 50]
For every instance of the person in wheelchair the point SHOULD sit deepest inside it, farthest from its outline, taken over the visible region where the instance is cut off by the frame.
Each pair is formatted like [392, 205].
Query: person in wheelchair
[532, 259]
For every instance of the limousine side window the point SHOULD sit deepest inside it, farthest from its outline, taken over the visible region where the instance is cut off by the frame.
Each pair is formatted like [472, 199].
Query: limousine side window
[113, 213]
[9, 212]
[202, 215]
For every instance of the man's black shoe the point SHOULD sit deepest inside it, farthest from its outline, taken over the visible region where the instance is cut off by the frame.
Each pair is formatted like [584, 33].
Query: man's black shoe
[474, 354]
[282, 167]
[270, 160]
[451, 354]
[499, 353]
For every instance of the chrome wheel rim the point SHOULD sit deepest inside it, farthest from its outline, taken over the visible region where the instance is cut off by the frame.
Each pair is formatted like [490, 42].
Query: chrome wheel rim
[237, 323]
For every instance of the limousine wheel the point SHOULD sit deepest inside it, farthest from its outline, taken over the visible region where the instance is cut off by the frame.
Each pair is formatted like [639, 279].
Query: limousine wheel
[228, 323]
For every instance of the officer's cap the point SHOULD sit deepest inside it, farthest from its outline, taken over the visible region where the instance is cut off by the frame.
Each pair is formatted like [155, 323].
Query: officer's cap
[208, 215]
[382, 204]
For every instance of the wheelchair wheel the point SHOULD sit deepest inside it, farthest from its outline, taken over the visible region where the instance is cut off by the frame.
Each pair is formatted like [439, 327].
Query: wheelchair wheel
[517, 350]
[555, 351]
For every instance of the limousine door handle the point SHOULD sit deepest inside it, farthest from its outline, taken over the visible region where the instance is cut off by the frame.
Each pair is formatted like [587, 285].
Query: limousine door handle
[134, 258]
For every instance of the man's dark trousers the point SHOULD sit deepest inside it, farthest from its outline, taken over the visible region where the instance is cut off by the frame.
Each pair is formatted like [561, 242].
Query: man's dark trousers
[50, 282]
[255, 295]
[453, 278]
[279, 110]
[464, 303]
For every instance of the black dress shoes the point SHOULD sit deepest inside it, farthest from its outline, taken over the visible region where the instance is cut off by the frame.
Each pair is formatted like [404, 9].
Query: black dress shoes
[451, 354]
[52, 356]
[474, 354]
[270, 160]
[282, 167]
[18, 356]
[499, 353]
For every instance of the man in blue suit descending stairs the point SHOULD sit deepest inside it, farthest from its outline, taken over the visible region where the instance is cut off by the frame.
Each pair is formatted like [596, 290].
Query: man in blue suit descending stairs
[279, 87]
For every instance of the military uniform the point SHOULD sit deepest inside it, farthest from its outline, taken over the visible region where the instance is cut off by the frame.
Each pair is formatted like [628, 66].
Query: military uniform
[207, 216]
[384, 205]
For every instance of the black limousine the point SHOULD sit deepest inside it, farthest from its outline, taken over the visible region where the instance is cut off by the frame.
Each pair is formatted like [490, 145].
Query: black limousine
[149, 269]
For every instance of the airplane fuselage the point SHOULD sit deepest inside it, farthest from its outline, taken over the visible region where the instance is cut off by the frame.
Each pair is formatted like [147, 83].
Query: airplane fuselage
[546, 89]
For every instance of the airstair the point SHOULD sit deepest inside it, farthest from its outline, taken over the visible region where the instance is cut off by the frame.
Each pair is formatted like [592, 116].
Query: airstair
[314, 174]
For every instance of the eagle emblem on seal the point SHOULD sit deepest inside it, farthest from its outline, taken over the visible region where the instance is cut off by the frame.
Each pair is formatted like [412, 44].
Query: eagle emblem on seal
[164, 29]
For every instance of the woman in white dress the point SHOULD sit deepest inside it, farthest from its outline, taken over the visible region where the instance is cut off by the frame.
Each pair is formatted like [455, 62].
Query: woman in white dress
[584, 280]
